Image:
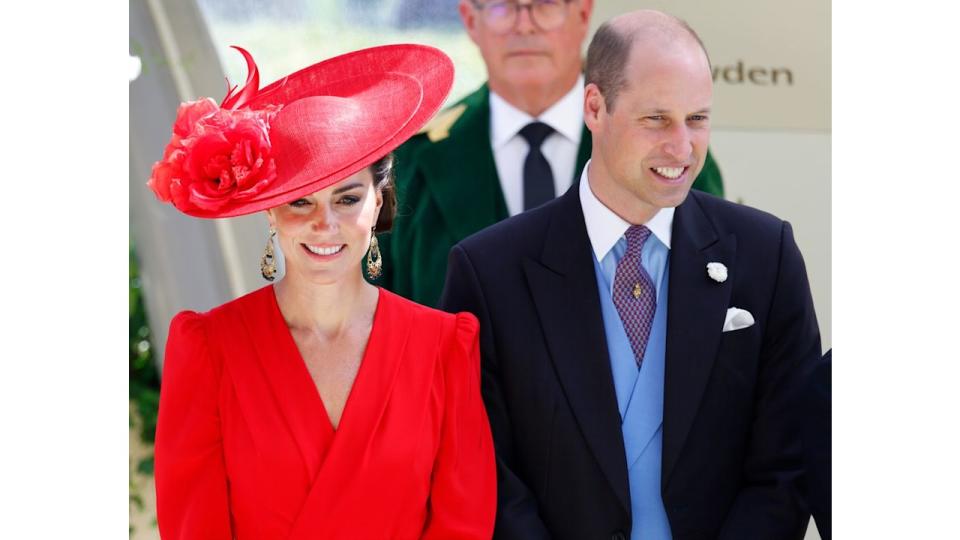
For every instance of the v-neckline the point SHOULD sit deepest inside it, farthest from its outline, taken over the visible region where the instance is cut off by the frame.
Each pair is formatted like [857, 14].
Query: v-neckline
[305, 372]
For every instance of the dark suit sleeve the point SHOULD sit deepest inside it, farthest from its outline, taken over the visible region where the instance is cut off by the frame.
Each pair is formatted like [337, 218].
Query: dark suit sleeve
[816, 429]
[768, 505]
[517, 514]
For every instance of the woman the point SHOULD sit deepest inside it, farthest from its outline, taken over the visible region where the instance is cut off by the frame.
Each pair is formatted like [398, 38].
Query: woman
[321, 406]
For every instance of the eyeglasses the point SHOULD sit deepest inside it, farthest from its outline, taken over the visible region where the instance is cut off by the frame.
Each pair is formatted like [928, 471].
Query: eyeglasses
[501, 16]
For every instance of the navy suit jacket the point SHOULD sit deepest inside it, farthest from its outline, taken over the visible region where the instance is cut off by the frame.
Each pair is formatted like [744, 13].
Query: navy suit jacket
[731, 453]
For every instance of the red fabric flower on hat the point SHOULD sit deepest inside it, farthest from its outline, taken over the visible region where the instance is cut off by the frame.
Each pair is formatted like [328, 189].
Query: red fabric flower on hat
[215, 156]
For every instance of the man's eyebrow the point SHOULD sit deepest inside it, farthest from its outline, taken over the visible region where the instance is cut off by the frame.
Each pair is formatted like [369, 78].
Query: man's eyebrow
[666, 111]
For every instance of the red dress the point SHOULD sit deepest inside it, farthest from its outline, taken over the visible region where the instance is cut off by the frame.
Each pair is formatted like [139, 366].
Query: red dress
[245, 448]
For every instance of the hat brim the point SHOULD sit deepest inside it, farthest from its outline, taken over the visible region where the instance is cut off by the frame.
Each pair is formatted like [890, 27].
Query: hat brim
[417, 78]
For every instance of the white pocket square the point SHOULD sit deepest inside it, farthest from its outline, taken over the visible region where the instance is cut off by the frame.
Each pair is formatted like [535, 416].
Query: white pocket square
[737, 319]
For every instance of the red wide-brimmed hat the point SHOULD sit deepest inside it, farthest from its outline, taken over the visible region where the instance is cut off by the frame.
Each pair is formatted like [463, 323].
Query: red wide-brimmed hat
[262, 148]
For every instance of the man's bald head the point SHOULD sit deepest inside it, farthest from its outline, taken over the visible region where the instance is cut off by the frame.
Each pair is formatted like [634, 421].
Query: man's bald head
[646, 153]
[649, 30]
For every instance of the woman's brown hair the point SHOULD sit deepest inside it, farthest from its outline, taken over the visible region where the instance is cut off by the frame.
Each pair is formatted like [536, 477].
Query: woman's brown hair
[383, 180]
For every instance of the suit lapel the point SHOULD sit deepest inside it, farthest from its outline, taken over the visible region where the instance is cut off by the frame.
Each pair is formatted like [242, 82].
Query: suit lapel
[461, 173]
[563, 285]
[695, 313]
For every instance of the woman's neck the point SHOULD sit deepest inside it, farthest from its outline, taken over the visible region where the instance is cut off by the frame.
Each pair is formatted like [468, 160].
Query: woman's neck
[326, 309]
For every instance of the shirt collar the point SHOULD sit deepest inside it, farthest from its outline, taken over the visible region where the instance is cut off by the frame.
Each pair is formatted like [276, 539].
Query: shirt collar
[565, 117]
[605, 228]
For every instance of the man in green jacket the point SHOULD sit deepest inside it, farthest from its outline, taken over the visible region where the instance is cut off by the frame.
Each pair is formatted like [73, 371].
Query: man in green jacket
[516, 142]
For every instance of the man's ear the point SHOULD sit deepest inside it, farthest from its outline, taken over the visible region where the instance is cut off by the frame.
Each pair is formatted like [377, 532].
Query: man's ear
[468, 15]
[594, 107]
[585, 10]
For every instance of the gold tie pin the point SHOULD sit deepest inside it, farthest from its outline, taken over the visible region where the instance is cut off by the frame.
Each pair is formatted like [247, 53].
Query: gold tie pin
[636, 290]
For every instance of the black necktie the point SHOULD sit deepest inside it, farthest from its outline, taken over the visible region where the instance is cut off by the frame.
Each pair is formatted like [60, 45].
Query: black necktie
[537, 176]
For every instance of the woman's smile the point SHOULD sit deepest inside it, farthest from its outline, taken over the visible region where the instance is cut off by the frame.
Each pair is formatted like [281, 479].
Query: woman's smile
[324, 252]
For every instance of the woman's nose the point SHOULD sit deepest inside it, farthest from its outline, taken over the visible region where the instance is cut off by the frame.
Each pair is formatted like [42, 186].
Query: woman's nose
[322, 219]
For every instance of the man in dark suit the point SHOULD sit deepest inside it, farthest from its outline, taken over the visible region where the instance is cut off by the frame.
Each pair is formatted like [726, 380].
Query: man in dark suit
[468, 168]
[642, 343]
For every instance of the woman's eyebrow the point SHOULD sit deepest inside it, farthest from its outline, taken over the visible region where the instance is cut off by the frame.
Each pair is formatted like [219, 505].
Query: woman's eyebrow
[347, 187]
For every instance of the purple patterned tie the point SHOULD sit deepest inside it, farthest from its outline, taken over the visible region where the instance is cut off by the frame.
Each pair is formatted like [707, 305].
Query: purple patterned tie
[633, 292]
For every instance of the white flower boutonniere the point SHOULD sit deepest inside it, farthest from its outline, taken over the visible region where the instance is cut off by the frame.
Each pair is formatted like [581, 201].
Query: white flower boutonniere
[717, 271]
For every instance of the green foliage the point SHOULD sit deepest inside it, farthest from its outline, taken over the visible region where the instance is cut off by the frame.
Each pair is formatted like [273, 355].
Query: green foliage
[144, 377]
[136, 499]
[144, 380]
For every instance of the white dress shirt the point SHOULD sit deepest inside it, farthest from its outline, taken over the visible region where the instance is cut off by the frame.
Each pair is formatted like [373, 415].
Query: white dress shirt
[605, 228]
[560, 147]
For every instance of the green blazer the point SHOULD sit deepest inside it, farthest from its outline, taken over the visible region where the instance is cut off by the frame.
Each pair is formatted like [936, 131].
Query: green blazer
[448, 189]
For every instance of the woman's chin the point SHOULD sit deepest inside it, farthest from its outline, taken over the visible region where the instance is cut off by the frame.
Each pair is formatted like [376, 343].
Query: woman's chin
[325, 275]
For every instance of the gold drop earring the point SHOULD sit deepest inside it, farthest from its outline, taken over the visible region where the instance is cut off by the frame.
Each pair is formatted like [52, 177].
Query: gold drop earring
[268, 266]
[374, 260]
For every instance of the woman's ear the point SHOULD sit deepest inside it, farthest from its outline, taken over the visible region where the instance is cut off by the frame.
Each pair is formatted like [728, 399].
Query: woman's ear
[379, 195]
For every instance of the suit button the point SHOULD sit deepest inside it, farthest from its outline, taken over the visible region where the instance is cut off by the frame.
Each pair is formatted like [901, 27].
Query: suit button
[618, 536]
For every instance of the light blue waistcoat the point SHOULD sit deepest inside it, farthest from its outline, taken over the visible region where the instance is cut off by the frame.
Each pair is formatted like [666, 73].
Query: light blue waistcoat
[640, 393]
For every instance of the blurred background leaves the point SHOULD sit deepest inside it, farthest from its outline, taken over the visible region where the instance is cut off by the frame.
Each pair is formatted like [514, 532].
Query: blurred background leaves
[144, 392]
